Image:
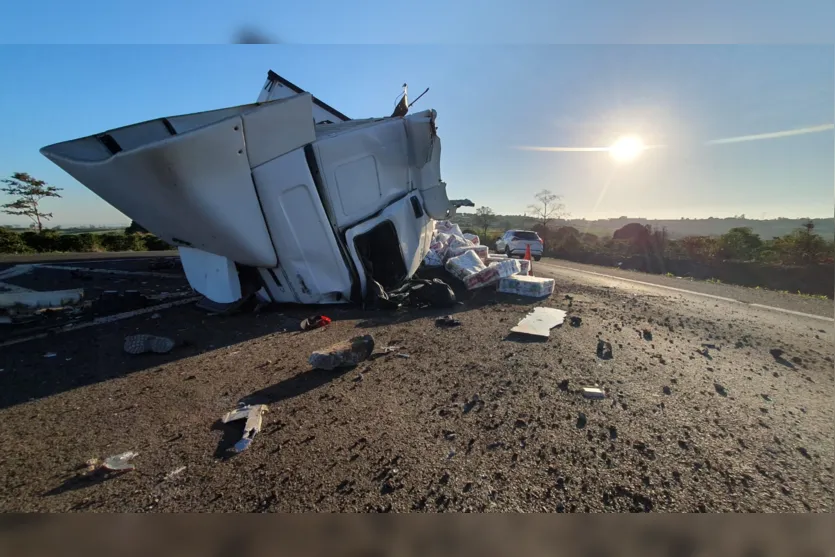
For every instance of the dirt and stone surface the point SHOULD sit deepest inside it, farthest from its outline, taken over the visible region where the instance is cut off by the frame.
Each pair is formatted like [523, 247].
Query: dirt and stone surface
[474, 419]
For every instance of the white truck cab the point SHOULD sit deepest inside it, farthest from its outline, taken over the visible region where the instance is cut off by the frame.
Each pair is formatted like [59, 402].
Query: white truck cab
[261, 196]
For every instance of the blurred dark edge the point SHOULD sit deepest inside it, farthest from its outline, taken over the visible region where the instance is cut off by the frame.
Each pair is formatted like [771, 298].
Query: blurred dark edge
[487, 535]
[251, 35]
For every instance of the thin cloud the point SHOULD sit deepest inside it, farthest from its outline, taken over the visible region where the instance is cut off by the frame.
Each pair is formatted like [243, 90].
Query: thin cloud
[575, 149]
[561, 149]
[772, 135]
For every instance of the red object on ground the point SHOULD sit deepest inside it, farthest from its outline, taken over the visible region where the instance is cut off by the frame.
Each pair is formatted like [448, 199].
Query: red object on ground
[315, 321]
[528, 257]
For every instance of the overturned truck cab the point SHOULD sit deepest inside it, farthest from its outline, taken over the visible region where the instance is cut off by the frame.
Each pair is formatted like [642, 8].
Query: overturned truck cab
[260, 197]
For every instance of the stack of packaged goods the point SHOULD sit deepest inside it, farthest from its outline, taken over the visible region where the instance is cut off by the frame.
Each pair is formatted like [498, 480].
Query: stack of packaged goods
[523, 285]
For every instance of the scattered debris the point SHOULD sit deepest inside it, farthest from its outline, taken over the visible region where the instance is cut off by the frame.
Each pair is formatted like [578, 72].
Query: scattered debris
[704, 351]
[720, 389]
[581, 420]
[593, 392]
[253, 415]
[604, 350]
[174, 473]
[666, 390]
[315, 322]
[575, 321]
[120, 462]
[447, 321]
[343, 354]
[403, 356]
[140, 344]
[50, 355]
[540, 322]
[646, 334]
[776, 353]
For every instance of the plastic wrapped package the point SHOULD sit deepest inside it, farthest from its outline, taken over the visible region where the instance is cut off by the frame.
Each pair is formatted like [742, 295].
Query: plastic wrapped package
[495, 257]
[492, 274]
[525, 265]
[459, 242]
[448, 228]
[480, 251]
[441, 238]
[523, 285]
[464, 265]
[433, 259]
[472, 238]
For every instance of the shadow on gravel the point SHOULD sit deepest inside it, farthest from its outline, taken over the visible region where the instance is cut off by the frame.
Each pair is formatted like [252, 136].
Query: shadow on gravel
[82, 482]
[299, 384]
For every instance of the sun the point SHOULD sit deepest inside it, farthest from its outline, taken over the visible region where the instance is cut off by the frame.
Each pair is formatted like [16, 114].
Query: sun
[627, 148]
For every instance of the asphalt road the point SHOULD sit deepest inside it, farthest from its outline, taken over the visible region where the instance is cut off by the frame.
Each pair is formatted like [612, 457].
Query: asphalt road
[472, 420]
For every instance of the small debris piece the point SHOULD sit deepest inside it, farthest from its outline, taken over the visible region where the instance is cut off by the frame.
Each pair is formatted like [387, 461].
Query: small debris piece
[315, 322]
[604, 350]
[593, 392]
[343, 354]
[706, 345]
[540, 322]
[667, 390]
[647, 334]
[174, 473]
[156, 315]
[720, 389]
[447, 321]
[120, 462]
[776, 353]
[403, 356]
[253, 415]
[139, 344]
[50, 355]
[704, 351]
[575, 321]
[581, 421]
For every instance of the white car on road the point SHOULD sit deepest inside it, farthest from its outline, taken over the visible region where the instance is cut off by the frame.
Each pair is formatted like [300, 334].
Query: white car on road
[515, 242]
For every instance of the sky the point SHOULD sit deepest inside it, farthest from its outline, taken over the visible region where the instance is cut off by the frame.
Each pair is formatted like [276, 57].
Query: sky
[491, 99]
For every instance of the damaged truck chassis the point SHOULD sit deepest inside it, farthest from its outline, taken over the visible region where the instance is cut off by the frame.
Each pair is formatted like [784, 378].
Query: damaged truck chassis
[261, 198]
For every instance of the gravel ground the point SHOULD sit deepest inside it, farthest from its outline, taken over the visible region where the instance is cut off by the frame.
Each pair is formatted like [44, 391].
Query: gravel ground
[472, 420]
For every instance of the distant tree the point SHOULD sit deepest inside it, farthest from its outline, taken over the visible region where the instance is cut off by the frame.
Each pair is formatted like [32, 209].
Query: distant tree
[484, 217]
[547, 207]
[29, 192]
[740, 243]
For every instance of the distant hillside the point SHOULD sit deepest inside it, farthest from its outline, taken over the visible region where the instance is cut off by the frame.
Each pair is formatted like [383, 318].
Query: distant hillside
[767, 229]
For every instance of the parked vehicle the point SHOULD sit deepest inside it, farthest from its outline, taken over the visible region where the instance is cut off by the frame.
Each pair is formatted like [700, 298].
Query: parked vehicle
[261, 197]
[514, 242]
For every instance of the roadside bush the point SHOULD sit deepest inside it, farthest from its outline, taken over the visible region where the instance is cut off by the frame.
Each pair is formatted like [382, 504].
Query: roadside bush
[12, 242]
[153, 243]
[740, 243]
[77, 242]
[41, 242]
[113, 241]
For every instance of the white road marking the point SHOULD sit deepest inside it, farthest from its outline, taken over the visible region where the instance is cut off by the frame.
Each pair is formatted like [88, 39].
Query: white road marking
[101, 320]
[107, 271]
[692, 292]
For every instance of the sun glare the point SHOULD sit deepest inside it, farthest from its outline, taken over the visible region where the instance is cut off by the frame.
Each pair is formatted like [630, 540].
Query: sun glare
[627, 148]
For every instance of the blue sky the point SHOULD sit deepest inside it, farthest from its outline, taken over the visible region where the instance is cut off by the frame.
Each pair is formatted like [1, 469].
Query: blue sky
[489, 99]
